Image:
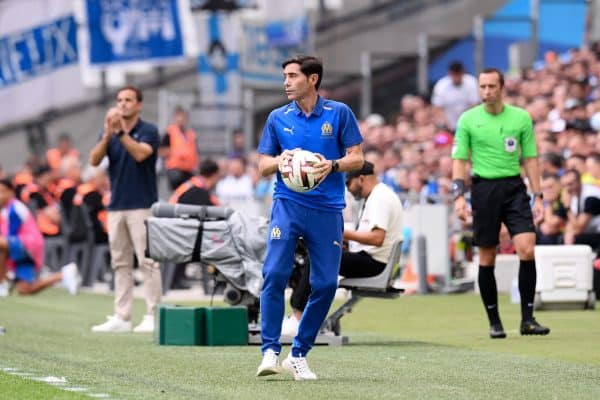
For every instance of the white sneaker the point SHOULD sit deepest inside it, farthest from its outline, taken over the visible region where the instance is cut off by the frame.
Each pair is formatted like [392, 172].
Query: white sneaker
[270, 364]
[114, 323]
[299, 368]
[4, 288]
[146, 326]
[289, 327]
[71, 278]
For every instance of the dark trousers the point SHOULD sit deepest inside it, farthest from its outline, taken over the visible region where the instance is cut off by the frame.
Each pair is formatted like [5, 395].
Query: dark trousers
[353, 265]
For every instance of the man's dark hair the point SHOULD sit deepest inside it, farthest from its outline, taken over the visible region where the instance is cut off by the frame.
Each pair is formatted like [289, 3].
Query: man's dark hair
[6, 182]
[574, 172]
[208, 168]
[308, 65]
[496, 71]
[594, 156]
[179, 110]
[138, 92]
[554, 159]
[577, 156]
[550, 175]
[64, 136]
[456, 67]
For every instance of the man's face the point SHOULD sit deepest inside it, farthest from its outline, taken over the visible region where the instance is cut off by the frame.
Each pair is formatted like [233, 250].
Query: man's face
[456, 78]
[297, 85]
[64, 145]
[571, 183]
[128, 104]
[5, 195]
[551, 189]
[355, 187]
[180, 119]
[489, 88]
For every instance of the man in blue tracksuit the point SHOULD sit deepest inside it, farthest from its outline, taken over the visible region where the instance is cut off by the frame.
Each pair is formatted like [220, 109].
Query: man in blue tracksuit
[328, 128]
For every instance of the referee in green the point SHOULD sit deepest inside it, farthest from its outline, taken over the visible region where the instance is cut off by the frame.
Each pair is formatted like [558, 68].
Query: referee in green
[495, 136]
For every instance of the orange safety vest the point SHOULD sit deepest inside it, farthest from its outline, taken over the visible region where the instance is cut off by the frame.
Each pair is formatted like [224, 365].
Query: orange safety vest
[54, 157]
[183, 152]
[46, 225]
[194, 181]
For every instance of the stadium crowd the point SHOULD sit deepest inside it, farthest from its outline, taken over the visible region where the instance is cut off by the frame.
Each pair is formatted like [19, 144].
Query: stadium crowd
[410, 152]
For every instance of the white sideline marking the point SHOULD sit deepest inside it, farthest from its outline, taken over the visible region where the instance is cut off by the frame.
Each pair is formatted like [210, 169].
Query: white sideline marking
[21, 373]
[76, 389]
[54, 381]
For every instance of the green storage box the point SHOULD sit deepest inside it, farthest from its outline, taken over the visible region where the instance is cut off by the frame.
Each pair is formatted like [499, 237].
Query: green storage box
[180, 325]
[226, 326]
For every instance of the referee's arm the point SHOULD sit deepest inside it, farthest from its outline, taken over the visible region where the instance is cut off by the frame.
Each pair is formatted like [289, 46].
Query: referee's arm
[532, 169]
[459, 168]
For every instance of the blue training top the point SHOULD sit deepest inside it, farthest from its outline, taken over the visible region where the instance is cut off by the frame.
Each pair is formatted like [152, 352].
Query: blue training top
[329, 130]
[133, 184]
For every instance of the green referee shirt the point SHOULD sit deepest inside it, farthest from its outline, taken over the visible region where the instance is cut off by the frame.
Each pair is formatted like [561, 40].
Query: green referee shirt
[495, 141]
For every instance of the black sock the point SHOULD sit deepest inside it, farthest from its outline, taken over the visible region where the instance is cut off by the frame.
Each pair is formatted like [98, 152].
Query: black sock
[489, 293]
[527, 278]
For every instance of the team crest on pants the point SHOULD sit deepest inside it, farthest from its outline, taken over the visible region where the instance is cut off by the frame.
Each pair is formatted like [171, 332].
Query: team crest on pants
[510, 144]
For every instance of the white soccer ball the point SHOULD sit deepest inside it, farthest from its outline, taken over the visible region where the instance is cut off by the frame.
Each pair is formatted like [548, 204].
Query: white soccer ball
[297, 173]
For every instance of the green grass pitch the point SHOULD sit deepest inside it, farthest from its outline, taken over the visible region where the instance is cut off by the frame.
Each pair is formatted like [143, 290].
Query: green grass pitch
[418, 347]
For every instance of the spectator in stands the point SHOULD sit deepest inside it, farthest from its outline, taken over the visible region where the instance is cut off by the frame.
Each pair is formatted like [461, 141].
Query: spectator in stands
[583, 226]
[551, 164]
[131, 145]
[198, 191]
[39, 196]
[555, 213]
[179, 149]
[91, 197]
[64, 148]
[235, 189]
[577, 162]
[583, 200]
[369, 244]
[238, 145]
[455, 93]
[66, 187]
[22, 249]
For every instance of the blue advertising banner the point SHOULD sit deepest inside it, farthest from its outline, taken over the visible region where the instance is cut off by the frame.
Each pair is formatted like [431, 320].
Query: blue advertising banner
[260, 60]
[292, 32]
[133, 30]
[37, 51]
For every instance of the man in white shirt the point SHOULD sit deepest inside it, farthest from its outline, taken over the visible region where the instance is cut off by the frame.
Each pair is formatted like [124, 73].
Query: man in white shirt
[369, 245]
[455, 93]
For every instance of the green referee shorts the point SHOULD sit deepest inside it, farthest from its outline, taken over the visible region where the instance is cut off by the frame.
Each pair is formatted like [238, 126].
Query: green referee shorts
[496, 201]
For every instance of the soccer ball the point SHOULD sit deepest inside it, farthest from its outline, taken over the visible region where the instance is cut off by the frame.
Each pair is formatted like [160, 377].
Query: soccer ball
[297, 173]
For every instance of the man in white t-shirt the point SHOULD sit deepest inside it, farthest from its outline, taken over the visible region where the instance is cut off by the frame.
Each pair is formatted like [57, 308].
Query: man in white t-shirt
[369, 245]
[455, 93]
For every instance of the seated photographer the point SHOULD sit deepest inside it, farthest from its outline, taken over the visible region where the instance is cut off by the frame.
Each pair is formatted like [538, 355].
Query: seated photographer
[369, 245]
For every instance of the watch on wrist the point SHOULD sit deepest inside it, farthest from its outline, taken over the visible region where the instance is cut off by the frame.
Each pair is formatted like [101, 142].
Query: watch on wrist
[458, 188]
[539, 194]
[335, 166]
